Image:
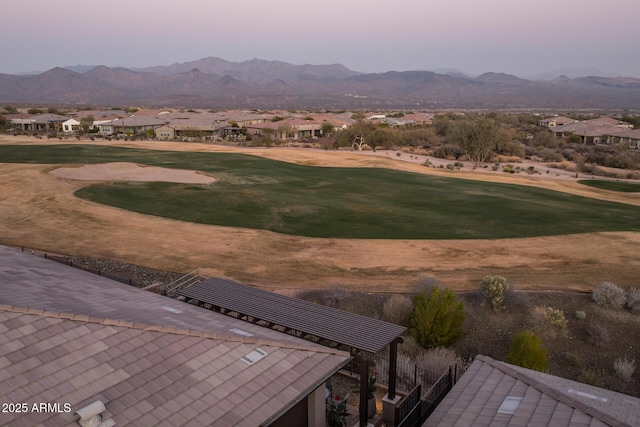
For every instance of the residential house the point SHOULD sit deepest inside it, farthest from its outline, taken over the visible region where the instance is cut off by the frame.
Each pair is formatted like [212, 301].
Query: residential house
[39, 122]
[73, 343]
[133, 125]
[626, 136]
[554, 121]
[594, 131]
[419, 118]
[165, 132]
[493, 393]
[190, 126]
[70, 126]
[294, 128]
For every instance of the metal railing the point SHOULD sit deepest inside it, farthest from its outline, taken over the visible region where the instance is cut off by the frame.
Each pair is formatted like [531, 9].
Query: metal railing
[183, 282]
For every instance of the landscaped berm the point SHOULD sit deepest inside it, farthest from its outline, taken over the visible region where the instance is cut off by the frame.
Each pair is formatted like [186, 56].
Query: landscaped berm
[299, 219]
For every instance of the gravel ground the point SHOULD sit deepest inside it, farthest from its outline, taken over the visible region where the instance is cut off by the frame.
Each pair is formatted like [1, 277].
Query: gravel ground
[136, 275]
[139, 276]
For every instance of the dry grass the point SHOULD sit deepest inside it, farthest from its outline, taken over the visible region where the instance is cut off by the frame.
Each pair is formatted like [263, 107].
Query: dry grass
[39, 211]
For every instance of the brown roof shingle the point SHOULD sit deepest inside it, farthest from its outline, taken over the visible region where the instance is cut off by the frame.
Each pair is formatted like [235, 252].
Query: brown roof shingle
[547, 400]
[145, 374]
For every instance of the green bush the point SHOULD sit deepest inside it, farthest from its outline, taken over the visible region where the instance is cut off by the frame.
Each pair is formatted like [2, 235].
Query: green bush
[609, 294]
[494, 289]
[526, 350]
[580, 315]
[437, 317]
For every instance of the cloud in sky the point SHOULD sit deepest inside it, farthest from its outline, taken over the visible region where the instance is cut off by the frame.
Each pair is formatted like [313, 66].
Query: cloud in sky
[365, 35]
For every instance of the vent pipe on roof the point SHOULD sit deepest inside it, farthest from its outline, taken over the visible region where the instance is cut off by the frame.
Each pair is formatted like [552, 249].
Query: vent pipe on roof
[90, 415]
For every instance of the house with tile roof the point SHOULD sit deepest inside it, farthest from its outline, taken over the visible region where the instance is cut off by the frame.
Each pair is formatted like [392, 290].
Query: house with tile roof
[132, 125]
[594, 131]
[625, 136]
[39, 122]
[556, 121]
[73, 344]
[289, 128]
[493, 393]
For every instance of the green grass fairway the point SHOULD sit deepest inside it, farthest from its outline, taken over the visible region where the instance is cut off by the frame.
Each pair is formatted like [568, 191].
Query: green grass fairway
[254, 192]
[622, 187]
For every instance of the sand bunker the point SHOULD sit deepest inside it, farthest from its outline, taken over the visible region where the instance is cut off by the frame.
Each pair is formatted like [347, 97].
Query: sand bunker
[122, 171]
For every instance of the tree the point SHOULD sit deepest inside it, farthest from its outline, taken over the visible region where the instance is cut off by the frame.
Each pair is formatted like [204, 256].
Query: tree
[477, 138]
[526, 350]
[381, 138]
[86, 124]
[437, 317]
[326, 128]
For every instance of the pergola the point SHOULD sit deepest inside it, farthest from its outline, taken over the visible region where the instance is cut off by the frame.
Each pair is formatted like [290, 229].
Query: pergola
[314, 322]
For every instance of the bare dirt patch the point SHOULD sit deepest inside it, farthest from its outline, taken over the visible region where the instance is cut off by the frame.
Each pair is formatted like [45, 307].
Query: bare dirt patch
[123, 171]
[38, 210]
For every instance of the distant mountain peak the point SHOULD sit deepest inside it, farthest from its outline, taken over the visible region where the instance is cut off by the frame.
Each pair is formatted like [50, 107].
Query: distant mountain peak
[217, 83]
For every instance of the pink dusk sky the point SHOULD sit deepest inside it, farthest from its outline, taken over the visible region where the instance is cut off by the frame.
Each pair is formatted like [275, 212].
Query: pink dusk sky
[510, 36]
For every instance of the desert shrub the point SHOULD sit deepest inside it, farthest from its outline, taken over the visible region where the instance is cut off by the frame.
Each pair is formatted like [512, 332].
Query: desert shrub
[580, 315]
[545, 139]
[556, 318]
[494, 289]
[507, 159]
[549, 155]
[438, 359]
[633, 300]
[609, 294]
[548, 320]
[574, 359]
[425, 283]
[410, 347]
[632, 175]
[568, 166]
[594, 377]
[448, 151]
[331, 297]
[397, 310]
[624, 368]
[437, 317]
[596, 335]
[526, 350]
[405, 372]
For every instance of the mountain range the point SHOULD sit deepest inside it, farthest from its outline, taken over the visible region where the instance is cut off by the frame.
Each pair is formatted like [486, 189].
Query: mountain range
[217, 83]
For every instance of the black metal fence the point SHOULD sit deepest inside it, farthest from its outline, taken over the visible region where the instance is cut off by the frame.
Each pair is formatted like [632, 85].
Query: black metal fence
[65, 261]
[415, 408]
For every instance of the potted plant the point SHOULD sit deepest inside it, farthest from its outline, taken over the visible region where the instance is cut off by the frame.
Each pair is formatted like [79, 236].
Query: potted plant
[336, 411]
[371, 396]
